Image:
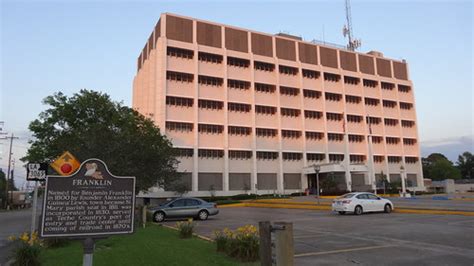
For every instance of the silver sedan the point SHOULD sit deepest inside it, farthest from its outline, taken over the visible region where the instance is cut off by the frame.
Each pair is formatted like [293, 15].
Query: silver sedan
[183, 207]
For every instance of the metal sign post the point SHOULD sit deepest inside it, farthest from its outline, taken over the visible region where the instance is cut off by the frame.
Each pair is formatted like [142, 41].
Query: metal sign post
[35, 203]
[88, 246]
[35, 172]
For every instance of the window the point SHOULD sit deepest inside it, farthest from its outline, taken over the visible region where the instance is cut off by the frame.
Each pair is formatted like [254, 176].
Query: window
[315, 156]
[409, 159]
[333, 96]
[310, 74]
[408, 123]
[178, 76]
[210, 104]
[192, 202]
[311, 135]
[331, 77]
[292, 156]
[351, 80]
[266, 132]
[354, 118]
[355, 158]
[291, 134]
[406, 106]
[208, 153]
[390, 122]
[369, 83]
[261, 87]
[266, 110]
[234, 130]
[210, 129]
[179, 126]
[362, 196]
[333, 116]
[404, 88]
[353, 99]
[392, 141]
[178, 52]
[356, 138]
[373, 120]
[387, 86]
[287, 70]
[212, 81]
[311, 94]
[238, 84]
[372, 101]
[290, 112]
[336, 158]
[312, 114]
[239, 107]
[242, 155]
[408, 141]
[389, 104]
[394, 159]
[184, 152]
[335, 137]
[379, 158]
[289, 91]
[179, 101]
[377, 139]
[210, 58]
[264, 66]
[179, 203]
[238, 62]
[267, 155]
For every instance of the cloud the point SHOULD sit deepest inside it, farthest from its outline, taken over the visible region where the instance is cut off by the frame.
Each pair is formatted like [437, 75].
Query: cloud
[450, 147]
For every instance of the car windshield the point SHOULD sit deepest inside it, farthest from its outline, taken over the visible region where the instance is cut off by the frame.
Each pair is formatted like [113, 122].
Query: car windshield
[346, 196]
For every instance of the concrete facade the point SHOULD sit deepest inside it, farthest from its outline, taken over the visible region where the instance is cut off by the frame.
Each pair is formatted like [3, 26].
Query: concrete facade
[252, 112]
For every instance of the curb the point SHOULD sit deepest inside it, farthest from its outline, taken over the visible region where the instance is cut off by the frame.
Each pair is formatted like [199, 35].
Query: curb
[194, 234]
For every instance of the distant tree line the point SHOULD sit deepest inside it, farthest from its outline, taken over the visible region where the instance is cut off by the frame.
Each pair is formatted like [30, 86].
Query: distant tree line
[437, 167]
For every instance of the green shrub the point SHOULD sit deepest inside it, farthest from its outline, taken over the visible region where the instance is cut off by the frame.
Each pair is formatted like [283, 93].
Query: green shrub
[242, 243]
[27, 249]
[185, 228]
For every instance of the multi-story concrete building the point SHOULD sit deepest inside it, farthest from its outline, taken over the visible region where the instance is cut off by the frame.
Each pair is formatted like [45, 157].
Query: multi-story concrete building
[254, 112]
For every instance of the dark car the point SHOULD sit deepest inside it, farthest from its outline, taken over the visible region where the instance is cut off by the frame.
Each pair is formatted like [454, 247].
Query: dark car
[183, 207]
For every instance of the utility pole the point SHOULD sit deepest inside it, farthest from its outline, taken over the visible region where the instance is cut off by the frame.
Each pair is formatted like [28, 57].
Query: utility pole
[12, 137]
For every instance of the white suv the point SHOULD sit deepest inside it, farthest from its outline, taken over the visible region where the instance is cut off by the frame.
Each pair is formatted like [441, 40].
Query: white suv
[360, 202]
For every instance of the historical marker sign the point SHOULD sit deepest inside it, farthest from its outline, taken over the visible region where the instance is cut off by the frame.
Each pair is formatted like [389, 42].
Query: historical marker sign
[36, 171]
[91, 202]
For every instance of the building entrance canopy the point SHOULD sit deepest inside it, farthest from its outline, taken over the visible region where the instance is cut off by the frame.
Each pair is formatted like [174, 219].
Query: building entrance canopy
[336, 167]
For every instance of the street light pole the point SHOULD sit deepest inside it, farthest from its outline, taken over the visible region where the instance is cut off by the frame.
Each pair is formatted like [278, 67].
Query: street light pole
[317, 168]
[402, 175]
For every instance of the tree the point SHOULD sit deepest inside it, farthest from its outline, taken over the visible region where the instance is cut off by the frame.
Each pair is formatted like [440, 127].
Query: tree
[465, 164]
[90, 125]
[437, 167]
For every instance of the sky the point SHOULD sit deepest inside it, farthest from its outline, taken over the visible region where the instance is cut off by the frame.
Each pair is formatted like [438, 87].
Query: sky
[51, 46]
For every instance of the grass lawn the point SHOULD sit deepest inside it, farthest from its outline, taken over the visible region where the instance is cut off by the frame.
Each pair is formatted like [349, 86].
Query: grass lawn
[154, 245]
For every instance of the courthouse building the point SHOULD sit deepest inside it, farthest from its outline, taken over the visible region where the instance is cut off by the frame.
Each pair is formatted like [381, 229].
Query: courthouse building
[255, 112]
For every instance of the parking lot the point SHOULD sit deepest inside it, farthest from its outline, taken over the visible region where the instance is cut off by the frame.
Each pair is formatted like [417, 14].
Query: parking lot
[324, 238]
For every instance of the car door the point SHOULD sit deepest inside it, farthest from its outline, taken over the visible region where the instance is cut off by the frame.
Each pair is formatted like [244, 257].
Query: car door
[363, 200]
[376, 202]
[176, 208]
[192, 207]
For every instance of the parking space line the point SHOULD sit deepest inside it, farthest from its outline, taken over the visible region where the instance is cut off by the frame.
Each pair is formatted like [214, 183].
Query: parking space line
[340, 251]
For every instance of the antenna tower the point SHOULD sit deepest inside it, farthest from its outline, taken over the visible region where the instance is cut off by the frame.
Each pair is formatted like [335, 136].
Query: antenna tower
[353, 43]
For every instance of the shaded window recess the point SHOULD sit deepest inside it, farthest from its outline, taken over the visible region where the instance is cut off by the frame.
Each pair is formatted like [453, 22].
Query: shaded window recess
[335, 137]
[210, 104]
[356, 138]
[210, 58]
[389, 104]
[311, 94]
[373, 120]
[404, 88]
[210, 129]
[291, 134]
[408, 123]
[353, 99]
[411, 160]
[212, 81]
[313, 114]
[310, 74]
[264, 66]
[394, 159]
[239, 107]
[336, 157]
[406, 106]
[372, 101]
[238, 62]
[377, 139]
[311, 135]
[289, 91]
[266, 110]
[292, 156]
[241, 131]
[379, 158]
[355, 158]
[333, 96]
[238, 84]
[287, 70]
[179, 76]
[267, 155]
[392, 140]
[315, 156]
[179, 52]
[183, 152]
[208, 153]
[387, 86]
[290, 112]
[242, 155]
[351, 80]
[409, 142]
[334, 116]
[266, 132]
[331, 77]
[179, 101]
[369, 83]
[390, 122]
[179, 126]
[355, 118]
[261, 87]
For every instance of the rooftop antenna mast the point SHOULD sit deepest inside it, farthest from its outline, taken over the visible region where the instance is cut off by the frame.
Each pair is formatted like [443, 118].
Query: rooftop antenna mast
[353, 43]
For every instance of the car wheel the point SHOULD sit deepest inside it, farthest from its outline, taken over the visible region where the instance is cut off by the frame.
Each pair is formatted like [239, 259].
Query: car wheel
[159, 217]
[342, 212]
[358, 210]
[387, 208]
[203, 215]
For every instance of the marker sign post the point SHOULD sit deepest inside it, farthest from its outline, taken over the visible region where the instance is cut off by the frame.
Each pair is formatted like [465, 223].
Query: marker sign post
[91, 203]
[35, 172]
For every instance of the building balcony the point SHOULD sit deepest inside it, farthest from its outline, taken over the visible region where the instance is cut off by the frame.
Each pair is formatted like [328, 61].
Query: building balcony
[240, 142]
[180, 64]
[211, 92]
[210, 69]
[178, 88]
